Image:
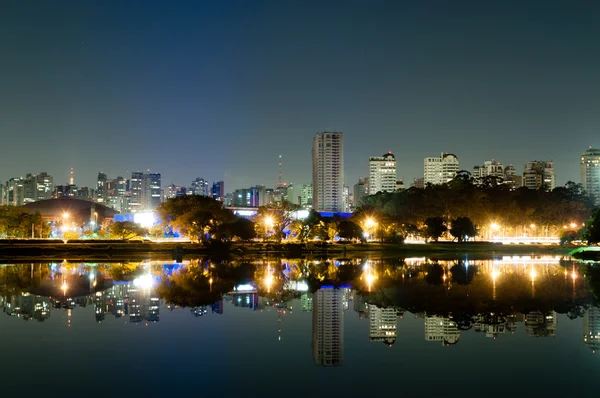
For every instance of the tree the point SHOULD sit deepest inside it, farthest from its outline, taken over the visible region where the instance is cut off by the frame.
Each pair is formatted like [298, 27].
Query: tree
[593, 230]
[349, 230]
[70, 235]
[201, 218]
[242, 228]
[462, 229]
[126, 230]
[435, 228]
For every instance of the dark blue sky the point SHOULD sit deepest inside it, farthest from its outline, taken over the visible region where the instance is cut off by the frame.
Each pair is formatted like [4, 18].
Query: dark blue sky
[220, 89]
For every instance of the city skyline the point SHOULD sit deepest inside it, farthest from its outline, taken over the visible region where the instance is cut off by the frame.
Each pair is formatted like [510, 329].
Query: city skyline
[171, 88]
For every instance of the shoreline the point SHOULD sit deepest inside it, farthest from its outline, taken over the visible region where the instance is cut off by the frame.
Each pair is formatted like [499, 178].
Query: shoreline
[114, 251]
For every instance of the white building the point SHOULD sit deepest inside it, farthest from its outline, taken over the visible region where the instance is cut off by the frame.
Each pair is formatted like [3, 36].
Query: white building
[328, 327]
[382, 324]
[442, 329]
[489, 168]
[538, 174]
[382, 173]
[590, 173]
[440, 170]
[328, 171]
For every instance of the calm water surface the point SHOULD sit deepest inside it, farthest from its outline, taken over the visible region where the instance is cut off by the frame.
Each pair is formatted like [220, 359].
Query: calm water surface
[505, 326]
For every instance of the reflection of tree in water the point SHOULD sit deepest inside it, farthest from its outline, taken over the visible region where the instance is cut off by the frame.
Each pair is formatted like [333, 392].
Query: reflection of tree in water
[21, 278]
[461, 274]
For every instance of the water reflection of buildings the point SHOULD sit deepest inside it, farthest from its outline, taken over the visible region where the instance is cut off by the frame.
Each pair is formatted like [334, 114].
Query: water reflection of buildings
[440, 328]
[328, 327]
[538, 324]
[27, 306]
[382, 324]
[306, 302]
[591, 328]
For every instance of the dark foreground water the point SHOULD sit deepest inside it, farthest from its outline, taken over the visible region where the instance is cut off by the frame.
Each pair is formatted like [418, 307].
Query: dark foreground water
[510, 326]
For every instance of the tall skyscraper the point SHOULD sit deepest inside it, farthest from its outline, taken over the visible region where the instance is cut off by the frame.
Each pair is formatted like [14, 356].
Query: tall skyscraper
[382, 173]
[199, 187]
[440, 170]
[136, 191]
[44, 186]
[590, 173]
[328, 327]
[152, 189]
[101, 188]
[328, 171]
[146, 191]
[218, 190]
[539, 174]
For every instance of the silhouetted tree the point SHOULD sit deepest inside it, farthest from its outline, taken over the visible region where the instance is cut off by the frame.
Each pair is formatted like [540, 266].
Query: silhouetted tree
[462, 229]
[435, 228]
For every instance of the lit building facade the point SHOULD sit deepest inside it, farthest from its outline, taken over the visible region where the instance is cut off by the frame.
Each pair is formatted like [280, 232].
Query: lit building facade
[382, 173]
[101, 188]
[306, 196]
[440, 170]
[218, 190]
[199, 187]
[539, 174]
[328, 171]
[145, 192]
[489, 168]
[590, 173]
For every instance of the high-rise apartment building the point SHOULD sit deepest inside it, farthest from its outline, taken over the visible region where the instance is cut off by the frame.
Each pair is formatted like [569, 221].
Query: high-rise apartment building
[361, 191]
[328, 171]
[328, 327]
[489, 168]
[513, 180]
[382, 173]
[440, 170]
[590, 173]
[539, 174]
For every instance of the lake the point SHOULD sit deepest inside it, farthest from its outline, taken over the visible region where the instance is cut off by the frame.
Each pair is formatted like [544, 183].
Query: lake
[487, 327]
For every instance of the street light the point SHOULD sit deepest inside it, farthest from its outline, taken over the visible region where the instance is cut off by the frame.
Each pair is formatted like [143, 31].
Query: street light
[370, 223]
[269, 222]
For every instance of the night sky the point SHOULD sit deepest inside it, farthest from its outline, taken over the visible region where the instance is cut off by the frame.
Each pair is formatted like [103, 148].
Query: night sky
[220, 89]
